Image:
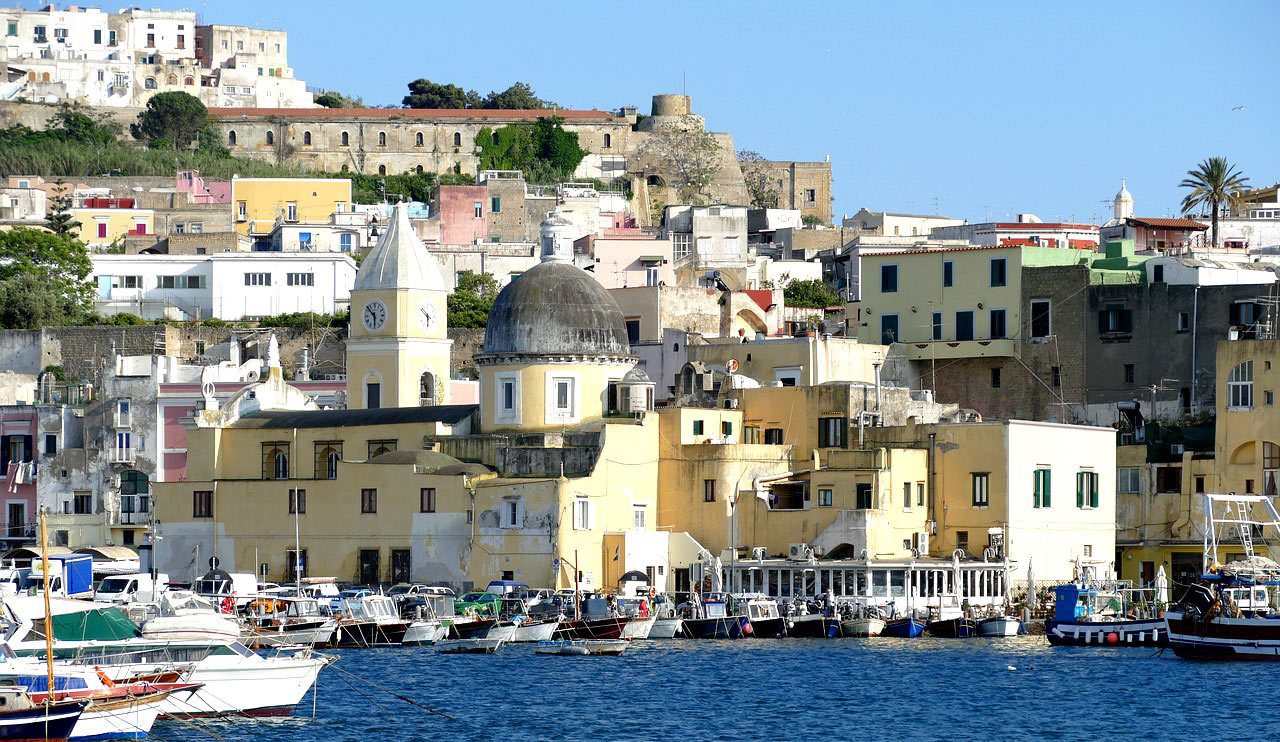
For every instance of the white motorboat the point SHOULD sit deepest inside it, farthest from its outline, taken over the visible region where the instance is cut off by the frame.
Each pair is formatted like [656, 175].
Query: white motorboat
[862, 626]
[469, 646]
[639, 628]
[243, 683]
[279, 620]
[424, 631]
[667, 628]
[584, 647]
[183, 615]
[1000, 626]
[533, 630]
[502, 631]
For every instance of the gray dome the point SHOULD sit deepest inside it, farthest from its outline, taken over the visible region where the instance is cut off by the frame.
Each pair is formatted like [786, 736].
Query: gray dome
[555, 308]
[636, 376]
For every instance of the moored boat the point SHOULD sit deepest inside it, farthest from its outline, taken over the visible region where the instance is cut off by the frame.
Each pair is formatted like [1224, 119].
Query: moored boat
[1000, 626]
[710, 618]
[21, 719]
[583, 648]
[907, 627]
[960, 627]
[1096, 615]
[862, 626]
[468, 646]
[370, 621]
[424, 631]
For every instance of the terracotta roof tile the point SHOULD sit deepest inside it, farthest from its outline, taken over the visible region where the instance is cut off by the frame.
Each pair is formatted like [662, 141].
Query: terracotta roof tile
[1142, 221]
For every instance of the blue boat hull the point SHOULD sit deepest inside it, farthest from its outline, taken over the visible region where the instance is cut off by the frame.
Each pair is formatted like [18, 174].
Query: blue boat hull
[903, 628]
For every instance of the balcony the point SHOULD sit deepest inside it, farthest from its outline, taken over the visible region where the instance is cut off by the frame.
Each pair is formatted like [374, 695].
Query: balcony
[19, 530]
[135, 519]
[119, 455]
[950, 349]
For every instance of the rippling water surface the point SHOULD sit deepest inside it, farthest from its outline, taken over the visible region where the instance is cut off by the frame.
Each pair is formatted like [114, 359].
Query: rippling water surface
[780, 689]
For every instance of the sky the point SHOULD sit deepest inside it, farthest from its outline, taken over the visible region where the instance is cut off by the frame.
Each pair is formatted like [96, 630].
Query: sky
[976, 110]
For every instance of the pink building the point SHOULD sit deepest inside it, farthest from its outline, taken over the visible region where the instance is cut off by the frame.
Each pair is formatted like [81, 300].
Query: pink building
[18, 454]
[202, 191]
[461, 211]
[626, 258]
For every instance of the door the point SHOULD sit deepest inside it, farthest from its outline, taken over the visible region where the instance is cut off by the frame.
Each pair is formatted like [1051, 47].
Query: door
[369, 567]
[1187, 568]
[400, 562]
[17, 521]
[964, 325]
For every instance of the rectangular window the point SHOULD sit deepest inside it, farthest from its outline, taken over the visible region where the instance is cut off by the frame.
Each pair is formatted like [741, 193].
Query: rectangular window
[102, 230]
[1169, 479]
[300, 279]
[583, 514]
[478, 206]
[202, 504]
[242, 210]
[948, 273]
[999, 272]
[328, 454]
[708, 490]
[825, 497]
[297, 502]
[919, 494]
[1115, 319]
[508, 395]
[13, 29]
[1128, 373]
[995, 377]
[681, 245]
[344, 242]
[368, 500]
[981, 489]
[1056, 374]
[639, 517]
[773, 436]
[1127, 480]
[889, 329]
[257, 279]
[1042, 484]
[888, 279]
[1041, 327]
[633, 331]
[831, 432]
[291, 211]
[810, 196]
[97, 35]
[697, 427]
[379, 447]
[962, 541]
[495, 204]
[563, 396]
[937, 325]
[862, 496]
[651, 275]
[726, 428]
[50, 444]
[1086, 489]
[1184, 321]
[999, 331]
[511, 512]
[964, 325]
[427, 500]
[372, 395]
[906, 496]
[82, 503]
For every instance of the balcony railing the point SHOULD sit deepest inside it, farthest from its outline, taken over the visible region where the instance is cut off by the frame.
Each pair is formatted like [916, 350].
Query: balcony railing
[122, 419]
[121, 455]
[135, 519]
[19, 530]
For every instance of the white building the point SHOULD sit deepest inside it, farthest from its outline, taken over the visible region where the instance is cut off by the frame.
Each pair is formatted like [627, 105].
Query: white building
[23, 205]
[890, 224]
[1027, 230]
[711, 236]
[227, 286]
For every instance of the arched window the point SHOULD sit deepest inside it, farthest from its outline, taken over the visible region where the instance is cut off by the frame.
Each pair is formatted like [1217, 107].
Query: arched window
[149, 83]
[282, 465]
[346, 139]
[328, 455]
[457, 139]
[231, 138]
[1240, 387]
[1270, 469]
[171, 80]
[418, 170]
[427, 389]
[344, 167]
[331, 465]
[306, 139]
[382, 170]
[495, 136]
[382, 139]
[44, 77]
[188, 80]
[417, 141]
[608, 141]
[271, 138]
[275, 460]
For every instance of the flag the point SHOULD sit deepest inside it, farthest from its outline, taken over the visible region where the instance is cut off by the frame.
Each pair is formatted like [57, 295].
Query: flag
[615, 552]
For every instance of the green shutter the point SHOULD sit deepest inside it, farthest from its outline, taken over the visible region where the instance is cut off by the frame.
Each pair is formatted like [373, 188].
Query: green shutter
[1080, 489]
[1047, 495]
[1093, 491]
[1035, 485]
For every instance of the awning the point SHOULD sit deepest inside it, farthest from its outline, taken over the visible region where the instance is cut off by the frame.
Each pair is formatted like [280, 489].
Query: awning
[651, 258]
[112, 560]
[31, 553]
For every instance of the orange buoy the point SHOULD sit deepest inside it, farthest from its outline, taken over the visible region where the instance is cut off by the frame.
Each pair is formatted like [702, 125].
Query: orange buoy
[1112, 638]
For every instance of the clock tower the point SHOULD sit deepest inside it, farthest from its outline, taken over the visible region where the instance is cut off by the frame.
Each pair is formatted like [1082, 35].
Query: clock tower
[398, 344]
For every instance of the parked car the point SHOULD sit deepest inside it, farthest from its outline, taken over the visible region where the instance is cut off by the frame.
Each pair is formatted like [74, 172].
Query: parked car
[481, 603]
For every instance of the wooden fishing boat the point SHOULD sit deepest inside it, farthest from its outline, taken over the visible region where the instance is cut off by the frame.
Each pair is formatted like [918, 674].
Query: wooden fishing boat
[1091, 615]
[1000, 626]
[22, 719]
[862, 626]
[959, 627]
[903, 628]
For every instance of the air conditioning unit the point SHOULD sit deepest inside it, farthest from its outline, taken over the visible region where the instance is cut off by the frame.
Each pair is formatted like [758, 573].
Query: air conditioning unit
[797, 551]
[1177, 449]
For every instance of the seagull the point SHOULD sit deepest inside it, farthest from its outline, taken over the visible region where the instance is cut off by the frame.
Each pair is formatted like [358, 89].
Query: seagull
[1238, 108]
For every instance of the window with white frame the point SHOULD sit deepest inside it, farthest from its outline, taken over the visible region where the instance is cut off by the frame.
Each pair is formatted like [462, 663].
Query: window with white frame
[1240, 387]
[257, 279]
[681, 244]
[300, 279]
[1128, 480]
[512, 512]
[506, 395]
[563, 404]
[639, 517]
[583, 514]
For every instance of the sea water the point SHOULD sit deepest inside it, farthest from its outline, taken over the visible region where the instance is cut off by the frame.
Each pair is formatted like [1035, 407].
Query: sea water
[840, 689]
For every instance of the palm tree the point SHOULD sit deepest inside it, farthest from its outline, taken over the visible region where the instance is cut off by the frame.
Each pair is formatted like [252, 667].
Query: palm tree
[1214, 182]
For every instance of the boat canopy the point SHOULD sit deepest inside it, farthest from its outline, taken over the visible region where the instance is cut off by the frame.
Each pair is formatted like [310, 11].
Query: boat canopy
[112, 560]
[74, 620]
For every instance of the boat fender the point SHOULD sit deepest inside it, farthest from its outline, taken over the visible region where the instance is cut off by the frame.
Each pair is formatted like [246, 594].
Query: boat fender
[1113, 638]
[107, 681]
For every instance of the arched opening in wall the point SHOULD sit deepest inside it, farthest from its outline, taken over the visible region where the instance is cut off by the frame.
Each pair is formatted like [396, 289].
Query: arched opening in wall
[282, 465]
[306, 139]
[346, 139]
[345, 168]
[457, 139]
[188, 80]
[608, 141]
[31, 75]
[331, 464]
[171, 80]
[231, 138]
[752, 321]
[654, 180]
[135, 496]
[418, 170]
[417, 140]
[382, 139]
[149, 83]
[275, 460]
[495, 136]
[1244, 454]
[372, 391]
[382, 170]
[271, 138]
[427, 389]
[45, 78]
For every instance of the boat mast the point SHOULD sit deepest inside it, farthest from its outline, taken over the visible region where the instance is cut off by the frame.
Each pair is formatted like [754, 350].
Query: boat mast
[577, 581]
[48, 617]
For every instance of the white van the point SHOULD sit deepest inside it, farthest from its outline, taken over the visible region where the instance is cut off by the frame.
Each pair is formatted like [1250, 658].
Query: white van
[131, 588]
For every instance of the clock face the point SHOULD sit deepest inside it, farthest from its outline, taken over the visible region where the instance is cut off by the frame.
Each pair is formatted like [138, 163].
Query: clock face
[374, 315]
[427, 315]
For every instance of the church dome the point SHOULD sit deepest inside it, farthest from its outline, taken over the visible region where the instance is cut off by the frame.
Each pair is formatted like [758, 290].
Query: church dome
[553, 309]
[400, 260]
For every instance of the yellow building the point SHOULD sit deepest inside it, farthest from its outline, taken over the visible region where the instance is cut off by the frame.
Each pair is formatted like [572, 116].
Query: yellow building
[398, 348]
[950, 302]
[441, 493]
[258, 202]
[101, 227]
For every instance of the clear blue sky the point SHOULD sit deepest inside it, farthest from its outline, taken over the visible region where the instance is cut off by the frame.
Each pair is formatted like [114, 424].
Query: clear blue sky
[989, 108]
